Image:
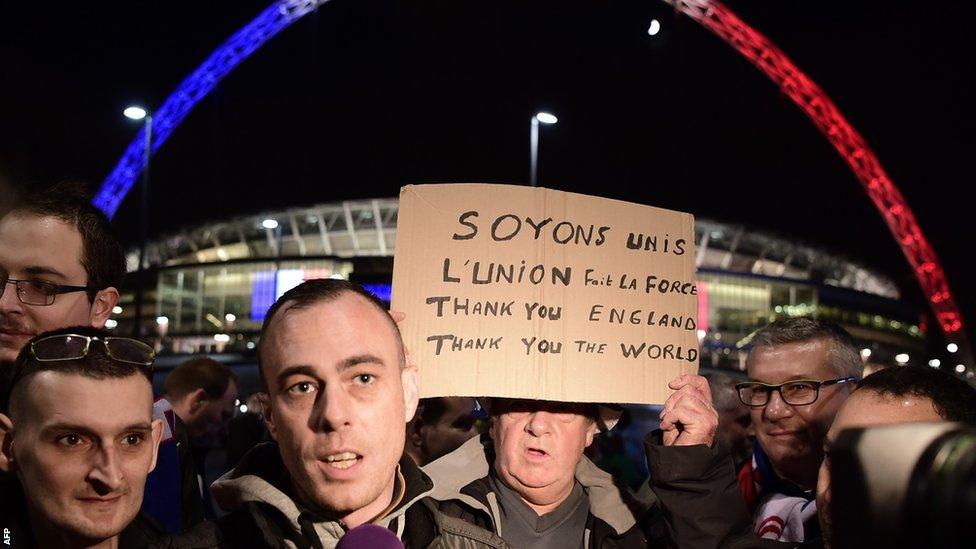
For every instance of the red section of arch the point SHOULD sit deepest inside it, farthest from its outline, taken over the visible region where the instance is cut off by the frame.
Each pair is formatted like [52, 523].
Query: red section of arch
[759, 50]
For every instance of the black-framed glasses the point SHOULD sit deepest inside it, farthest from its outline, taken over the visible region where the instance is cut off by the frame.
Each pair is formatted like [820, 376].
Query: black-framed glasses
[39, 292]
[800, 392]
[75, 347]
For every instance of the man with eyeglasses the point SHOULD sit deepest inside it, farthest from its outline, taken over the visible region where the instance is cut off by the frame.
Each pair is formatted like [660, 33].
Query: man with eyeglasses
[77, 434]
[60, 265]
[801, 370]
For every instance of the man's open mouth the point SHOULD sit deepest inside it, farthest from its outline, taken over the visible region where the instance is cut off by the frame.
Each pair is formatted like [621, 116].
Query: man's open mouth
[342, 460]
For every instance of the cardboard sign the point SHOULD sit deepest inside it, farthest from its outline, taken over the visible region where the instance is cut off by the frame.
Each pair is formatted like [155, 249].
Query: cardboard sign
[527, 292]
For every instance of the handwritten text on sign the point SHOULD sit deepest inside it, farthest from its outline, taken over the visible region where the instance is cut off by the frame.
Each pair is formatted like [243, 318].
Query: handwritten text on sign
[534, 293]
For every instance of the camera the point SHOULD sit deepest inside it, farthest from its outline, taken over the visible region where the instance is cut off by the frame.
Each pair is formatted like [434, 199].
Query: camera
[908, 485]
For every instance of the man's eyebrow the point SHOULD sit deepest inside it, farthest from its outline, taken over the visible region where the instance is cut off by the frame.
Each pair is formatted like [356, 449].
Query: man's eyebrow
[85, 430]
[295, 370]
[40, 270]
[356, 360]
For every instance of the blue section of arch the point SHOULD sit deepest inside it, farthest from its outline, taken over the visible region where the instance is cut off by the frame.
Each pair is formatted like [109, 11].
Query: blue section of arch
[275, 18]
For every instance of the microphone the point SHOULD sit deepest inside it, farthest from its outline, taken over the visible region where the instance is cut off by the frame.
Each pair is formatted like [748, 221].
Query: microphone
[369, 536]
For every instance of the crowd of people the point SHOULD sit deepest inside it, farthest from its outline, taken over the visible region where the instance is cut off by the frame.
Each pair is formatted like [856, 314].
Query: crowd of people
[89, 458]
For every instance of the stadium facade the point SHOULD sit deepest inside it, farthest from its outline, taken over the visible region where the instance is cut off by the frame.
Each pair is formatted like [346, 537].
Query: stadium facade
[209, 286]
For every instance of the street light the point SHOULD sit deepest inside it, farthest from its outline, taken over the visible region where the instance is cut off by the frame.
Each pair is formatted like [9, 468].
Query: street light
[545, 118]
[138, 113]
[135, 113]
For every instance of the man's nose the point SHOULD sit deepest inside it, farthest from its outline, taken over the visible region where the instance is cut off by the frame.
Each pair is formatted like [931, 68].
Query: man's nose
[106, 473]
[335, 409]
[777, 408]
[539, 423]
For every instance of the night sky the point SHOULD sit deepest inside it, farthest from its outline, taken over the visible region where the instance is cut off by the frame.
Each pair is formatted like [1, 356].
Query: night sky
[363, 97]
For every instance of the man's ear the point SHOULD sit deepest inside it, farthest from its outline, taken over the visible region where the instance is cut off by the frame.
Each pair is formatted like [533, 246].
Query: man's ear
[196, 400]
[157, 436]
[415, 435]
[591, 430]
[105, 300]
[7, 463]
[267, 412]
[410, 378]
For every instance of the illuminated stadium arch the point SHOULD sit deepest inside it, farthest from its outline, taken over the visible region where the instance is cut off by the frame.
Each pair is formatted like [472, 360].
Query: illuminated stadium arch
[713, 15]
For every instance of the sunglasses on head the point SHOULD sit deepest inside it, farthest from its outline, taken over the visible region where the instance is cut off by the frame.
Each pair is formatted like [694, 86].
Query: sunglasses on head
[66, 347]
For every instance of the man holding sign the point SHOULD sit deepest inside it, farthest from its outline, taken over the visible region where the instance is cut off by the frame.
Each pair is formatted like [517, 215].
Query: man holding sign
[551, 303]
[531, 484]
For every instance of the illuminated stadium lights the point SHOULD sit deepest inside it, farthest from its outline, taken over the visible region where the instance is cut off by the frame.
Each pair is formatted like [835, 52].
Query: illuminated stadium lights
[865, 353]
[901, 358]
[935, 363]
[952, 347]
[111, 324]
[654, 28]
[221, 338]
[546, 118]
[117, 310]
[960, 368]
[230, 317]
[135, 113]
[270, 223]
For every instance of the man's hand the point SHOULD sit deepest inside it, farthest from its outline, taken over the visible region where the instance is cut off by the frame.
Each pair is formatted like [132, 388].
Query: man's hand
[688, 417]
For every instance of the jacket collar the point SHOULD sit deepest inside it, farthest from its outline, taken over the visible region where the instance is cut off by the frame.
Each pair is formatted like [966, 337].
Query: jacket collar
[261, 477]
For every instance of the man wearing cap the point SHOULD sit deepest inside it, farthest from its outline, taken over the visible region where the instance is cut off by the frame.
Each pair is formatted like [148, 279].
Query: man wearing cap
[530, 483]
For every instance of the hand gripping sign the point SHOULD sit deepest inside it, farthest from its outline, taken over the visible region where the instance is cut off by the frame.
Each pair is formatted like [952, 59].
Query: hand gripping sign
[525, 292]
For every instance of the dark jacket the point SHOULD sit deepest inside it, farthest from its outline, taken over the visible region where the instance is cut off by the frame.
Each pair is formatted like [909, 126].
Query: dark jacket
[693, 499]
[16, 531]
[263, 513]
